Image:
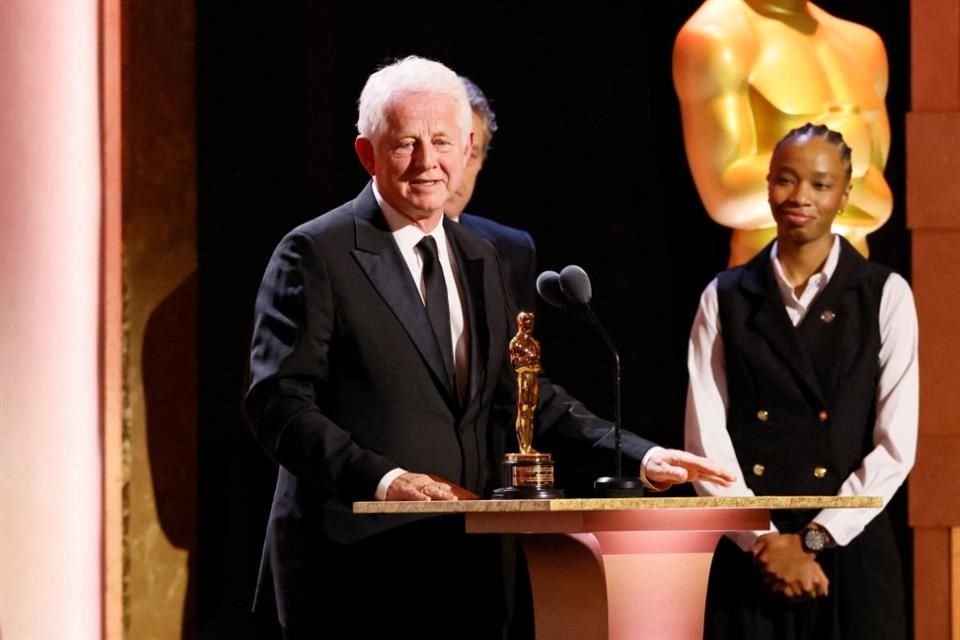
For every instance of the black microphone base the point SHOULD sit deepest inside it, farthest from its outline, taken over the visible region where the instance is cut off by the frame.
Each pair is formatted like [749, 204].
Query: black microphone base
[608, 487]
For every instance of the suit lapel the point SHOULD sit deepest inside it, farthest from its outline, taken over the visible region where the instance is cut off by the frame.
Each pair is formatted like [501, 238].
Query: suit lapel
[770, 320]
[378, 256]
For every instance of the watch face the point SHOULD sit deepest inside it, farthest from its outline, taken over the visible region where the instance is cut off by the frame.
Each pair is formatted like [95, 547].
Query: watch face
[814, 540]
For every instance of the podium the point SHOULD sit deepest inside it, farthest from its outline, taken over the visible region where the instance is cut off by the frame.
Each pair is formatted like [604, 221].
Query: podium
[619, 568]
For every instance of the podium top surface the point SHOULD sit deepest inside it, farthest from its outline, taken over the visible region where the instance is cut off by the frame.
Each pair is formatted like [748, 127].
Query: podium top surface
[620, 504]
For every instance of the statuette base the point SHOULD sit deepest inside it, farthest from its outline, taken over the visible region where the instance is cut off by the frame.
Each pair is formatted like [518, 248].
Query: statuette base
[527, 476]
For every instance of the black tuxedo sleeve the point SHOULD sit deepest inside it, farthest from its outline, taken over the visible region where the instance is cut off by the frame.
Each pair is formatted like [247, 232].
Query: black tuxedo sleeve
[295, 318]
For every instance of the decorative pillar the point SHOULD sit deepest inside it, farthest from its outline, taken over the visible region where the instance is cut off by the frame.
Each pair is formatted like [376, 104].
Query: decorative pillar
[933, 215]
[50, 224]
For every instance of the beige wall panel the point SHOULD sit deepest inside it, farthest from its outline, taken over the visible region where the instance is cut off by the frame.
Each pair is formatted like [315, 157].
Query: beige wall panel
[931, 566]
[935, 52]
[937, 460]
[933, 170]
[936, 283]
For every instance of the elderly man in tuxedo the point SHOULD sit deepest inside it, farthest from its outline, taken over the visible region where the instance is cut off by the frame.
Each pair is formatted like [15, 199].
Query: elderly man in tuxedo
[379, 350]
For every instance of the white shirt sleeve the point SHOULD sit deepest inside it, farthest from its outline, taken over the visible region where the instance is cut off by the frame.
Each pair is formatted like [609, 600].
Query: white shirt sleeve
[705, 428]
[380, 494]
[885, 468]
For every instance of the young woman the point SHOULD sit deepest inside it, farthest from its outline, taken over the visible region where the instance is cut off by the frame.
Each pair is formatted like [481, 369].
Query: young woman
[803, 373]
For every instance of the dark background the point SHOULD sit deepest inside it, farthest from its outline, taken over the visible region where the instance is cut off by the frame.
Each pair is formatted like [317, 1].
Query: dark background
[589, 158]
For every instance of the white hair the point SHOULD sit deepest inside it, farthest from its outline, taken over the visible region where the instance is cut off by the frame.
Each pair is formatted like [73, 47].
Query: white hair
[413, 74]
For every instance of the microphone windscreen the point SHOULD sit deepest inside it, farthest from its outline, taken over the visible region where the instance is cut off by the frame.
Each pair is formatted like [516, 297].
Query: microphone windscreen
[575, 284]
[548, 286]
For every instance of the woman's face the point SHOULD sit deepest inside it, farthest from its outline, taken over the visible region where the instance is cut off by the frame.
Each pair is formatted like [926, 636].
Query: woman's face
[807, 186]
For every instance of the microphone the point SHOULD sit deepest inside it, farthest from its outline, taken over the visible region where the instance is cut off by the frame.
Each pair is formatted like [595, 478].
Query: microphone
[575, 289]
[575, 285]
[548, 286]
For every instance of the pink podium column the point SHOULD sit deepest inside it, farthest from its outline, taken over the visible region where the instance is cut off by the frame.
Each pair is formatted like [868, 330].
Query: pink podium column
[620, 575]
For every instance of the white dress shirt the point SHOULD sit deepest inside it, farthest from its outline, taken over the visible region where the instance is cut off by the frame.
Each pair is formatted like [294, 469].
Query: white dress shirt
[884, 469]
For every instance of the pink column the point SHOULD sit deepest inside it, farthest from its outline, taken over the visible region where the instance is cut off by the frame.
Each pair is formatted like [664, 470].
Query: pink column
[50, 217]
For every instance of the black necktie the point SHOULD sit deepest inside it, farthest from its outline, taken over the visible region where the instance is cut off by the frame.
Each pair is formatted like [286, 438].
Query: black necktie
[438, 307]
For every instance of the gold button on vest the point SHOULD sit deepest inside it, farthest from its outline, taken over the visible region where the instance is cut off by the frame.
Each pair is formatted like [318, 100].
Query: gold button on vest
[828, 316]
[763, 415]
[823, 416]
[819, 472]
[758, 469]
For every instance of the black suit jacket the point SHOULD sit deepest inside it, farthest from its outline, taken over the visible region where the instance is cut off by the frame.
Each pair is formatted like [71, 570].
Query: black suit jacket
[518, 255]
[347, 382]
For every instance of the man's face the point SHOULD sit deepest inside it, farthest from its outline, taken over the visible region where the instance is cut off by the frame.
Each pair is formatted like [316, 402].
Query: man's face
[418, 159]
[807, 186]
[460, 197]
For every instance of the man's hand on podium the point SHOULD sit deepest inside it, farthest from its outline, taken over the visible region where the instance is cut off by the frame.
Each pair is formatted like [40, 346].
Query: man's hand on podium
[666, 467]
[423, 487]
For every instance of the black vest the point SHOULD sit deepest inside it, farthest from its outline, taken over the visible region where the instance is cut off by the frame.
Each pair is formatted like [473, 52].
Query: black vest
[802, 400]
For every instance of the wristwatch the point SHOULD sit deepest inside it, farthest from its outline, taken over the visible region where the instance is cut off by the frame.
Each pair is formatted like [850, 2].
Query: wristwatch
[814, 539]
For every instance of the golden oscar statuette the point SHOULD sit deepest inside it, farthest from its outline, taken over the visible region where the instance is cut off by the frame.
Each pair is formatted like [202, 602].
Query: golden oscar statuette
[527, 474]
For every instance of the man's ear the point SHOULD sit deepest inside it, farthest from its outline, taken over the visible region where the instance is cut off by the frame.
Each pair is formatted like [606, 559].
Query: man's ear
[364, 148]
[469, 148]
